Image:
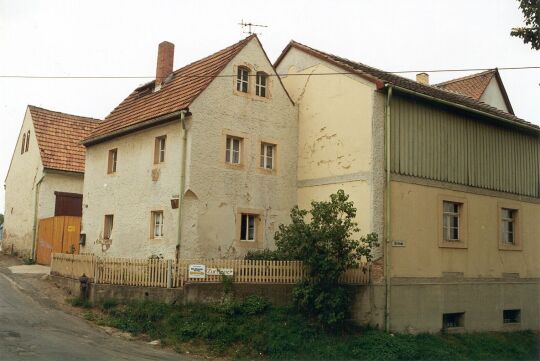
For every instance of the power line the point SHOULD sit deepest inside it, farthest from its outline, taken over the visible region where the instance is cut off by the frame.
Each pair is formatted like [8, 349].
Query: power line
[4, 76]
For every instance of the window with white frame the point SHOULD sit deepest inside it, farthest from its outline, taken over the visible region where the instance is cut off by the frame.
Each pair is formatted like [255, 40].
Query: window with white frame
[451, 213]
[260, 84]
[159, 149]
[508, 224]
[233, 149]
[242, 79]
[268, 152]
[248, 226]
[157, 224]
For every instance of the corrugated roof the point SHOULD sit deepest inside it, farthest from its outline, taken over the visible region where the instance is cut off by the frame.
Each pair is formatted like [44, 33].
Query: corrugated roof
[381, 77]
[59, 136]
[176, 94]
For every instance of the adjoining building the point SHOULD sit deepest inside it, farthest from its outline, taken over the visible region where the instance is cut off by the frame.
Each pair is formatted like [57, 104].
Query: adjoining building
[45, 176]
[446, 174]
[211, 147]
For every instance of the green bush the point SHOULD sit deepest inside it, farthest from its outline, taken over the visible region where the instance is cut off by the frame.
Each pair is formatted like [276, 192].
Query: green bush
[254, 305]
[266, 255]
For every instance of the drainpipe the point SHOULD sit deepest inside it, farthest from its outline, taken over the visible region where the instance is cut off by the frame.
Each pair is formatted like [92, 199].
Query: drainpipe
[34, 226]
[387, 224]
[183, 115]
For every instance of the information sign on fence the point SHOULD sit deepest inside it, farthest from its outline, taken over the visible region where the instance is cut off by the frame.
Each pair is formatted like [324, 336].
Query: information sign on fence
[196, 271]
[219, 271]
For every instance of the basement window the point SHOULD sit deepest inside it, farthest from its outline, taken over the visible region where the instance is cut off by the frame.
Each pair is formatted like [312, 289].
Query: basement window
[453, 320]
[511, 316]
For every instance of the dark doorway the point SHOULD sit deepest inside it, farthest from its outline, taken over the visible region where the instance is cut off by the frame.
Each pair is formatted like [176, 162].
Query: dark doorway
[68, 204]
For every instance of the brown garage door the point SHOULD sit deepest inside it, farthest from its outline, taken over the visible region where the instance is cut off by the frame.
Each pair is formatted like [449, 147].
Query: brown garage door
[68, 204]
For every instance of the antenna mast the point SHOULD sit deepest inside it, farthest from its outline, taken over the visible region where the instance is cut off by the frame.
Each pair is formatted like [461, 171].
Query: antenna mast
[248, 26]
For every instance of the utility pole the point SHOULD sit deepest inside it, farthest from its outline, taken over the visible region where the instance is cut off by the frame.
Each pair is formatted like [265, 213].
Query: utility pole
[249, 31]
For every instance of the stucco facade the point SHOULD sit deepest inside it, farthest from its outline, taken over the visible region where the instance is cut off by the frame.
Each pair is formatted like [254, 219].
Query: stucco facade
[215, 193]
[30, 192]
[340, 137]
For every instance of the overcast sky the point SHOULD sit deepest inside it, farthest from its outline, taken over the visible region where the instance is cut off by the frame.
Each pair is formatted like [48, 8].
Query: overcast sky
[120, 38]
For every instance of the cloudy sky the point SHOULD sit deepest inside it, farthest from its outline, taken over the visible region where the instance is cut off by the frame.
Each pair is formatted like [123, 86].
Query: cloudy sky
[120, 38]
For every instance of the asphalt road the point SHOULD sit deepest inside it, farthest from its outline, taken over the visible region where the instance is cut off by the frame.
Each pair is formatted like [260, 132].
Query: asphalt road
[32, 330]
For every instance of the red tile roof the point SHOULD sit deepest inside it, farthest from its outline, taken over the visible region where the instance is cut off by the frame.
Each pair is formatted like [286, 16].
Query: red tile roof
[472, 86]
[380, 77]
[176, 94]
[59, 136]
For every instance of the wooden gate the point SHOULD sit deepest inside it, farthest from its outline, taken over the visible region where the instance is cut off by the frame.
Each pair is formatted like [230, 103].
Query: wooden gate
[57, 235]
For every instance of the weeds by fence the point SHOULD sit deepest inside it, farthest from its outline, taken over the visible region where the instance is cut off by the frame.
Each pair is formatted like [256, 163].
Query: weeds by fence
[169, 273]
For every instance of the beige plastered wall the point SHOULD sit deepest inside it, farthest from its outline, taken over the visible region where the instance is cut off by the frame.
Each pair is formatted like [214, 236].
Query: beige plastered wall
[493, 95]
[480, 280]
[131, 194]
[55, 181]
[341, 136]
[216, 194]
[24, 173]
[213, 192]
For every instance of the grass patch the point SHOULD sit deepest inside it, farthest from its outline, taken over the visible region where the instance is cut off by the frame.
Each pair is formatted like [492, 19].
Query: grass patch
[79, 302]
[255, 329]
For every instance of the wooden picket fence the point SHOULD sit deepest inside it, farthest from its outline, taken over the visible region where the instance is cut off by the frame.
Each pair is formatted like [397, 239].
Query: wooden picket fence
[172, 274]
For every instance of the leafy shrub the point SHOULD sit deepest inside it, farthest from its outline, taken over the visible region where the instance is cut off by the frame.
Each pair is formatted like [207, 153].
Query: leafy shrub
[266, 255]
[254, 305]
[327, 248]
[108, 304]
[79, 302]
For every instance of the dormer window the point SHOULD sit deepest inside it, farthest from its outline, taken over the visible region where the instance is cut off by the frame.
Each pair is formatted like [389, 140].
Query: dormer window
[242, 79]
[260, 84]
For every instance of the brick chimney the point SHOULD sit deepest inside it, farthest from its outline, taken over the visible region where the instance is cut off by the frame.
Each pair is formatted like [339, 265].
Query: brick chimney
[422, 78]
[164, 62]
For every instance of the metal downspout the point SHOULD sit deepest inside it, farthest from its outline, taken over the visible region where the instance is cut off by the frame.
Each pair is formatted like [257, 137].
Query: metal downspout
[182, 180]
[388, 212]
[34, 226]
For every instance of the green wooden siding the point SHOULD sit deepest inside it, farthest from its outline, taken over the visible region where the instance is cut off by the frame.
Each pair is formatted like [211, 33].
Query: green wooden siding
[451, 146]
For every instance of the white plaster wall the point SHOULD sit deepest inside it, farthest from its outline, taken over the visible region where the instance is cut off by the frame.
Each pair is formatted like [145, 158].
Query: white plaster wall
[24, 173]
[216, 192]
[493, 95]
[130, 194]
[57, 182]
[341, 137]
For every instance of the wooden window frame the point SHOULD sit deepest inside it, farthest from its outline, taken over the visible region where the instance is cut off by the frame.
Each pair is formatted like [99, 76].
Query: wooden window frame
[153, 225]
[517, 245]
[264, 156]
[244, 149]
[259, 225]
[240, 81]
[159, 152]
[462, 241]
[108, 226]
[261, 75]
[112, 161]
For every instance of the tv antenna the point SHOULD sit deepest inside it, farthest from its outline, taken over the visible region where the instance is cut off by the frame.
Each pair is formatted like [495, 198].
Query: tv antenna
[248, 26]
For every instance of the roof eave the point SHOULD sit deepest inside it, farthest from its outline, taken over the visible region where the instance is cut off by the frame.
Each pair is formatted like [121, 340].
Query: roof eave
[464, 107]
[134, 128]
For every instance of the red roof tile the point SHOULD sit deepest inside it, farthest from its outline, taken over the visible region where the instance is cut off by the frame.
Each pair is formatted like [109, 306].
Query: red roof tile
[472, 86]
[176, 94]
[380, 77]
[59, 136]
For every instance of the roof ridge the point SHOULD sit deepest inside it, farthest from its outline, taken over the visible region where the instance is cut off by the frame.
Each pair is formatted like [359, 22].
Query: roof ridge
[466, 77]
[84, 118]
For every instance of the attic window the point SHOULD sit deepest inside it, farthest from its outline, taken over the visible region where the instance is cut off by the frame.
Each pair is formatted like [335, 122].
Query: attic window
[242, 79]
[27, 141]
[260, 84]
[23, 143]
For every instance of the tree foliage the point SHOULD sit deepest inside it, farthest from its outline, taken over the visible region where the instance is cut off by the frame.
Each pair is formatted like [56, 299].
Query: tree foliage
[530, 33]
[324, 242]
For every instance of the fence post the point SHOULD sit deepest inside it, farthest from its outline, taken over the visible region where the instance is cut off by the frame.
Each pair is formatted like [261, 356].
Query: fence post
[169, 273]
[96, 271]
